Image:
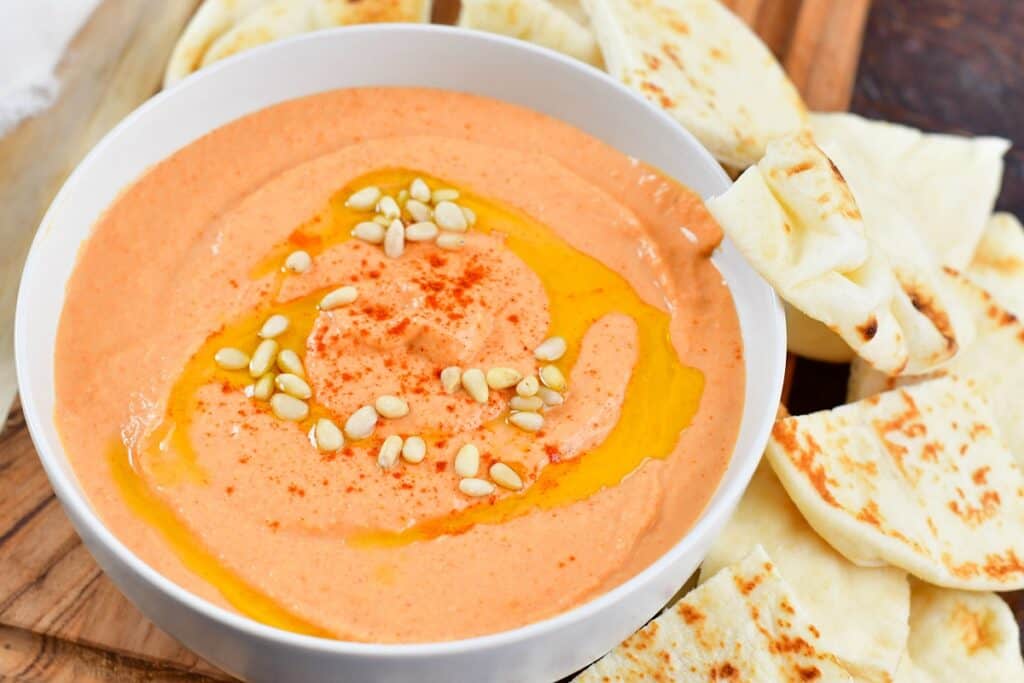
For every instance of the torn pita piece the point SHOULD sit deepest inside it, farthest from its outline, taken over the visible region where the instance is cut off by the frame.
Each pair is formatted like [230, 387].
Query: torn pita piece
[795, 219]
[221, 28]
[861, 612]
[993, 363]
[535, 21]
[942, 187]
[958, 636]
[744, 624]
[918, 478]
[703, 65]
[998, 263]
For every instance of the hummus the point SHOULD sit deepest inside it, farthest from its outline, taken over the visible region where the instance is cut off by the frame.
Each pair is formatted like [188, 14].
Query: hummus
[254, 508]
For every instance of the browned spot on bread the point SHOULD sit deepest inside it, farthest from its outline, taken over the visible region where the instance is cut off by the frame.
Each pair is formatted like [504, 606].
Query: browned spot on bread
[980, 475]
[975, 629]
[870, 514]
[1003, 567]
[690, 615]
[652, 61]
[811, 673]
[869, 329]
[724, 672]
[785, 434]
[973, 515]
[800, 168]
[927, 307]
[745, 586]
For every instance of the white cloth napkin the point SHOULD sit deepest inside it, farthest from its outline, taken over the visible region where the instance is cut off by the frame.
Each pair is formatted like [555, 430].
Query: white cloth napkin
[33, 37]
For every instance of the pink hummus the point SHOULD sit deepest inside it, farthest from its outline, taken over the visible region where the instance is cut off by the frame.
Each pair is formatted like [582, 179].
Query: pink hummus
[177, 258]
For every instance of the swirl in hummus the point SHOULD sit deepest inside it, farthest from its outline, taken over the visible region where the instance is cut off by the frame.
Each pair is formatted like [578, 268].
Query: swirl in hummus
[255, 504]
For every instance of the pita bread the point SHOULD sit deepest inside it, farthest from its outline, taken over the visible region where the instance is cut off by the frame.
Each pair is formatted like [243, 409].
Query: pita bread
[744, 624]
[918, 478]
[807, 337]
[958, 636]
[536, 21]
[942, 187]
[795, 219]
[994, 363]
[998, 263]
[861, 612]
[221, 28]
[705, 67]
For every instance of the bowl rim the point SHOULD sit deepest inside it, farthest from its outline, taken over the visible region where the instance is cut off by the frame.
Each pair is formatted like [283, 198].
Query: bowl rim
[78, 507]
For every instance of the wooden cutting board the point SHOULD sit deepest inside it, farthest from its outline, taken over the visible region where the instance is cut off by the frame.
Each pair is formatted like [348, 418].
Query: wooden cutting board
[61, 619]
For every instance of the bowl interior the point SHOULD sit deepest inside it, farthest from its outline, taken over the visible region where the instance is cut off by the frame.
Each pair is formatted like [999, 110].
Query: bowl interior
[360, 56]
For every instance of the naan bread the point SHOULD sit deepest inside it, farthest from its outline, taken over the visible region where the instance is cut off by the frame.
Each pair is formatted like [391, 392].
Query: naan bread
[744, 624]
[795, 219]
[942, 187]
[958, 636]
[994, 363]
[705, 67]
[536, 21]
[918, 478]
[998, 263]
[221, 28]
[861, 612]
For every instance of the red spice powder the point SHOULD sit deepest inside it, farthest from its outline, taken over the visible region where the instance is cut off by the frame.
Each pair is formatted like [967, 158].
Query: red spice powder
[400, 327]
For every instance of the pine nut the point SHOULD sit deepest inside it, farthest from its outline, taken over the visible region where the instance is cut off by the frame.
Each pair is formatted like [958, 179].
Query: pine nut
[503, 378]
[339, 297]
[293, 385]
[381, 220]
[424, 231]
[364, 199]
[264, 387]
[263, 358]
[388, 207]
[275, 326]
[505, 476]
[298, 262]
[449, 216]
[419, 190]
[389, 451]
[528, 386]
[249, 390]
[289, 361]
[450, 241]
[394, 239]
[289, 408]
[368, 231]
[470, 216]
[418, 210]
[550, 397]
[550, 349]
[446, 194]
[530, 404]
[476, 384]
[231, 359]
[361, 423]
[391, 407]
[327, 436]
[402, 196]
[476, 487]
[451, 379]
[552, 378]
[528, 422]
[467, 461]
[414, 449]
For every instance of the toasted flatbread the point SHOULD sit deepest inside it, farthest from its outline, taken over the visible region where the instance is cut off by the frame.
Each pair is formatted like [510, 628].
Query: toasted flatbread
[994, 362]
[221, 28]
[958, 636]
[943, 187]
[536, 21]
[743, 624]
[998, 263]
[861, 612]
[795, 219]
[705, 67]
[919, 478]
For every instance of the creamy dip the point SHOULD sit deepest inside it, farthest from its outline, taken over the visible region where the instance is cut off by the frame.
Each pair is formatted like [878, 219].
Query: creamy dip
[569, 238]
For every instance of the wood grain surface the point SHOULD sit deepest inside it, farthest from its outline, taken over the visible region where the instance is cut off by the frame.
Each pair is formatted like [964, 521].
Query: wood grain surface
[939, 64]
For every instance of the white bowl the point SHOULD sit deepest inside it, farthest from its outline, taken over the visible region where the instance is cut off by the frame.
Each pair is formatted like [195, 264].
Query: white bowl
[385, 55]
